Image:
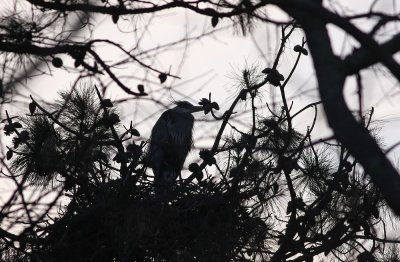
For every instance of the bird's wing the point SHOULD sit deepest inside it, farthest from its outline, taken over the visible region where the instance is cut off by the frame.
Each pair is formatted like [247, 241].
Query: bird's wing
[159, 137]
[170, 142]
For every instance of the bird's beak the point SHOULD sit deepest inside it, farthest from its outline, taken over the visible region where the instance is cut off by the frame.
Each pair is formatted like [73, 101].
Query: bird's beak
[197, 109]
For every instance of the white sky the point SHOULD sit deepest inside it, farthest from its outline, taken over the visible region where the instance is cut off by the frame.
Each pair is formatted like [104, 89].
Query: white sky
[218, 57]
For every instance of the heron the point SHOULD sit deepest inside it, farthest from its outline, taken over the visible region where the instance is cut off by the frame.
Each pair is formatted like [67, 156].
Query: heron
[170, 142]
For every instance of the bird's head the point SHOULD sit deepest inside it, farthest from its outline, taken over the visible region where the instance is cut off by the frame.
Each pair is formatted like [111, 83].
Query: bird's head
[186, 107]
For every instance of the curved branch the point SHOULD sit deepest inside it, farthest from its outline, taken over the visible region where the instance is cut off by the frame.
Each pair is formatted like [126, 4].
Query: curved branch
[362, 57]
[112, 75]
[309, 8]
[331, 75]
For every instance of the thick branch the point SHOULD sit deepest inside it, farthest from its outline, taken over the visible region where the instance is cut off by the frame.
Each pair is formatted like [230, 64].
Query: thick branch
[354, 136]
[310, 8]
[362, 57]
[153, 8]
[35, 50]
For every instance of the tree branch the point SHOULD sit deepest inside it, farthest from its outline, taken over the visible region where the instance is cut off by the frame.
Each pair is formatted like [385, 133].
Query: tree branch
[362, 57]
[331, 75]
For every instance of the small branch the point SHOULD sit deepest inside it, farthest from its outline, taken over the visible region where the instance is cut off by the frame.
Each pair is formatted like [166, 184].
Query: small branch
[111, 74]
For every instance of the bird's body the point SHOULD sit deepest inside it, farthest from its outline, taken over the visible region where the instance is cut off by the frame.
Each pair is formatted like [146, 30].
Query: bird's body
[170, 142]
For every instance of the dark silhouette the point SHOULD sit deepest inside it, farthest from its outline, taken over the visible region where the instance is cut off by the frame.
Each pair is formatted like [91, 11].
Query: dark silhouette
[80, 188]
[39, 34]
[170, 142]
[267, 194]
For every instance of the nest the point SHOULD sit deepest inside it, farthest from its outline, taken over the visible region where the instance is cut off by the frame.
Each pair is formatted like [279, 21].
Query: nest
[135, 225]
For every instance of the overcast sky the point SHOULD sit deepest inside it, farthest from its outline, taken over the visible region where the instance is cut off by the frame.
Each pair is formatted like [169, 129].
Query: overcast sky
[213, 60]
[210, 63]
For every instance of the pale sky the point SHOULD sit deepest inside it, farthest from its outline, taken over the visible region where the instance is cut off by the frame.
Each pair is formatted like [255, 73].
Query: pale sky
[217, 57]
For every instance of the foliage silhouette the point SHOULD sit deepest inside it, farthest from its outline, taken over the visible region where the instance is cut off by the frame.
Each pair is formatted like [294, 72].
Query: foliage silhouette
[268, 194]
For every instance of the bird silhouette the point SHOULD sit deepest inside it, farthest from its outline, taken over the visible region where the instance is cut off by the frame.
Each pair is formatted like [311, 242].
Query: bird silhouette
[170, 142]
